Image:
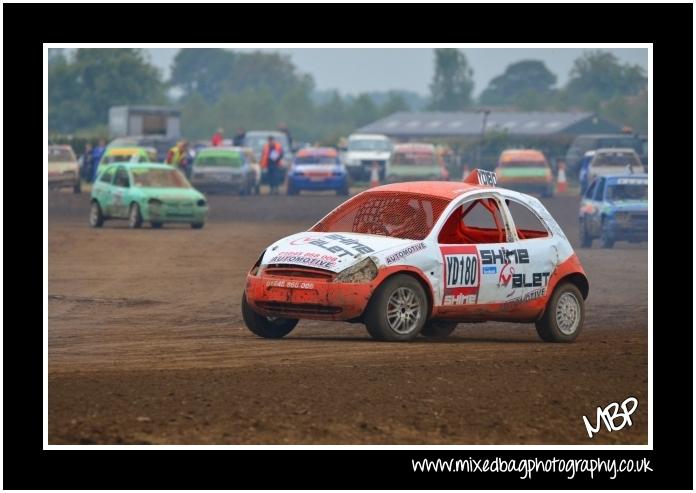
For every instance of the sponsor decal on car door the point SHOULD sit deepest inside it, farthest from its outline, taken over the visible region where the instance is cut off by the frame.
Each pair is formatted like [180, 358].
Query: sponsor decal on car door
[461, 275]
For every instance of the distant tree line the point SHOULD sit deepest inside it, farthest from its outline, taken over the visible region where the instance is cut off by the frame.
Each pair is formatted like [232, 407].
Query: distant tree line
[254, 90]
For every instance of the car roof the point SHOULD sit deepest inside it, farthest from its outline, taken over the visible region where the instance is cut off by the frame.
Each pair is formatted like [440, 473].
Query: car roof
[611, 150]
[221, 149]
[125, 150]
[443, 189]
[317, 151]
[368, 136]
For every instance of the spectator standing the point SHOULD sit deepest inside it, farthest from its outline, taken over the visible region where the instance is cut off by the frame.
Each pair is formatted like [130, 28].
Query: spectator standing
[97, 154]
[216, 140]
[238, 139]
[270, 161]
[87, 163]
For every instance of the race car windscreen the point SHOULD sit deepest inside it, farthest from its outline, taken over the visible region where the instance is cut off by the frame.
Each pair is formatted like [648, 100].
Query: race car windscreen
[369, 145]
[159, 178]
[60, 155]
[414, 159]
[394, 214]
[627, 192]
[227, 161]
[524, 164]
[615, 160]
[316, 160]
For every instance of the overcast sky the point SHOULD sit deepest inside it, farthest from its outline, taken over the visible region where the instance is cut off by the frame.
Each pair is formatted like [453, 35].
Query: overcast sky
[354, 70]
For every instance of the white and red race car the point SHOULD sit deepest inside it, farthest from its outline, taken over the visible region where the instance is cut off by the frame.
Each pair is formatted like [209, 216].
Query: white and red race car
[418, 258]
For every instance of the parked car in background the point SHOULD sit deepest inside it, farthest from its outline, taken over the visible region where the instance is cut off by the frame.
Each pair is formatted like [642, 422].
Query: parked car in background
[135, 154]
[226, 169]
[615, 208]
[584, 143]
[255, 139]
[414, 162]
[317, 168]
[141, 192]
[525, 170]
[613, 162]
[63, 170]
[160, 143]
[365, 150]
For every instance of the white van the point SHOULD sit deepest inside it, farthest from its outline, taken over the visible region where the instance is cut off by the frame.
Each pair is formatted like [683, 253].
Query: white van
[364, 150]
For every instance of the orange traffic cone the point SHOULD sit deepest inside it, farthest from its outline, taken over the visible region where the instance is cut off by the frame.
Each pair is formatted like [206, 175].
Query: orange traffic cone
[466, 172]
[562, 184]
[374, 176]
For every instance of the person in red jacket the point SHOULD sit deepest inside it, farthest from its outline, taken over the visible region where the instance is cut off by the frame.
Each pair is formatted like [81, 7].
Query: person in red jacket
[216, 140]
[270, 161]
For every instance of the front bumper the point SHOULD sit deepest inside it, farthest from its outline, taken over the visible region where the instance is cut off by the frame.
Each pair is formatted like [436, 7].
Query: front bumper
[526, 186]
[327, 183]
[621, 231]
[170, 213]
[303, 297]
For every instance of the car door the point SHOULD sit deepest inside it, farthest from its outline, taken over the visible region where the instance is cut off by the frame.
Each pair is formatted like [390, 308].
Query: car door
[119, 200]
[537, 254]
[474, 243]
[102, 188]
[595, 223]
[588, 208]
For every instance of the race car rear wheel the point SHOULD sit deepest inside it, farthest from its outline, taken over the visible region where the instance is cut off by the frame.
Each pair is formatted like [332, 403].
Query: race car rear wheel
[135, 219]
[156, 224]
[564, 315]
[268, 327]
[438, 329]
[197, 225]
[397, 310]
[96, 217]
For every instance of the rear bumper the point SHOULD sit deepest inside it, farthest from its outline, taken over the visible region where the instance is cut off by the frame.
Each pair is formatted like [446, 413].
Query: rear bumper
[307, 297]
[621, 232]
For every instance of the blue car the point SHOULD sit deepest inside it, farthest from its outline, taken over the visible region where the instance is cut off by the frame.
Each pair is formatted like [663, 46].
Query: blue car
[317, 168]
[615, 208]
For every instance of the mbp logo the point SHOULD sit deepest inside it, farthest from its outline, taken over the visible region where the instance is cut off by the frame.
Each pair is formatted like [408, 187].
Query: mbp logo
[462, 270]
[610, 414]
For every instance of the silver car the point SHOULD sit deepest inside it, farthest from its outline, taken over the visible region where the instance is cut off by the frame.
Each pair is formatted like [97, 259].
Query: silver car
[225, 169]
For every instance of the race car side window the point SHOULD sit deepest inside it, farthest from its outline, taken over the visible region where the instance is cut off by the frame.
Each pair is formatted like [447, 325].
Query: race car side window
[121, 179]
[590, 190]
[107, 175]
[527, 223]
[474, 222]
[600, 189]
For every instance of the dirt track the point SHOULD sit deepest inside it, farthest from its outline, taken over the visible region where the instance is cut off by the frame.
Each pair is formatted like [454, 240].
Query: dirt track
[147, 345]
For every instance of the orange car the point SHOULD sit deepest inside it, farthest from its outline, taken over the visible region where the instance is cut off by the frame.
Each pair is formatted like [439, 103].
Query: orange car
[525, 170]
[419, 257]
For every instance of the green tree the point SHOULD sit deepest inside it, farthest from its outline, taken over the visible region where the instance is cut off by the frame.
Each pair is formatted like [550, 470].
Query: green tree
[364, 110]
[452, 83]
[599, 75]
[81, 91]
[520, 82]
[395, 102]
[202, 70]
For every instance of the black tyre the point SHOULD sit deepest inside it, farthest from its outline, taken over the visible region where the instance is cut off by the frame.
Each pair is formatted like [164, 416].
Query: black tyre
[397, 310]
[155, 224]
[77, 188]
[268, 327]
[197, 225]
[438, 329]
[564, 315]
[585, 238]
[96, 217]
[135, 219]
[607, 238]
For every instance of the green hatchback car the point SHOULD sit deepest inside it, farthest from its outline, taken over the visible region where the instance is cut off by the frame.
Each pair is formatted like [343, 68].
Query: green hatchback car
[142, 192]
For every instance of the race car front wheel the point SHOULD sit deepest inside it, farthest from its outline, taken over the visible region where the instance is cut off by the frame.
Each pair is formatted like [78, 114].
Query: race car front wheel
[96, 218]
[397, 309]
[564, 315]
[268, 327]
